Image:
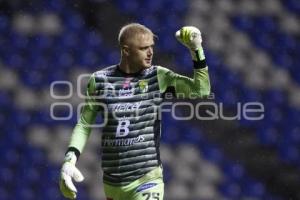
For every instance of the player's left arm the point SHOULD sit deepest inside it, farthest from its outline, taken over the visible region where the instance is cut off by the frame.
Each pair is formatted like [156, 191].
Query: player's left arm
[182, 86]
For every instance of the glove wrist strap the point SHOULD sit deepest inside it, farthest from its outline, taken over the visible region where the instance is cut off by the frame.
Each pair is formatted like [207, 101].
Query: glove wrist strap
[70, 157]
[197, 54]
[198, 58]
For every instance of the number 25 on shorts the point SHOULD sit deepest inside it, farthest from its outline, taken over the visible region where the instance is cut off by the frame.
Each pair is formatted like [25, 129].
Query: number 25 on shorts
[151, 196]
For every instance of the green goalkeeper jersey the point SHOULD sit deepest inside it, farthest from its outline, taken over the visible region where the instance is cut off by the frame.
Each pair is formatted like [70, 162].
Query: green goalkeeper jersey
[129, 105]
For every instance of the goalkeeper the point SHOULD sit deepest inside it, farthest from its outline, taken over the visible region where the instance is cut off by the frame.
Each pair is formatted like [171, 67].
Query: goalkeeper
[132, 92]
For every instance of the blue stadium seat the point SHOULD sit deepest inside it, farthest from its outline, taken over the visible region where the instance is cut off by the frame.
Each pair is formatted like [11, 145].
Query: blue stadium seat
[290, 153]
[93, 40]
[4, 23]
[292, 5]
[183, 61]
[171, 136]
[243, 22]
[55, 6]
[295, 71]
[152, 7]
[212, 153]
[18, 41]
[62, 61]
[89, 58]
[273, 115]
[11, 156]
[129, 7]
[7, 177]
[15, 136]
[275, 97]
[35, 156]
[69, 39]
[31, 176]
[268, 135]
[52, 192]
[230, 189]
[192, 136]
[49, 176]
[253, 189]
[150, 21]
[265, 23]
[24, 192]
[177, 6]
[234, 171]
[167, 173]
[22, 118]
[42, 41]
[73, 21]
[167, 42]
[292, 135]
[4, 194]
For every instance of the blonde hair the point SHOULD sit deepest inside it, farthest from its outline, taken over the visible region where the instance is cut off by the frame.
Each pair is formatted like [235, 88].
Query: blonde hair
[130, 31]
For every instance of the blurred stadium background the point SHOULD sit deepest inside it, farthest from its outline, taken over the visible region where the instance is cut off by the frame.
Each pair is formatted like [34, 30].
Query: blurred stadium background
[252, 49]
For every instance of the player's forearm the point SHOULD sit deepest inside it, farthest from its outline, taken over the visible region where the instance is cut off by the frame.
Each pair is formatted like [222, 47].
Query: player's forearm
[201, 80]
[196, 87]
[201, 83]
[82, 130]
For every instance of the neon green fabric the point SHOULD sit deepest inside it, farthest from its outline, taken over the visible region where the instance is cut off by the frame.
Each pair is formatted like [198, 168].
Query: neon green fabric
[88, 116]
[150, 186]
[185, 87]
[82, 129]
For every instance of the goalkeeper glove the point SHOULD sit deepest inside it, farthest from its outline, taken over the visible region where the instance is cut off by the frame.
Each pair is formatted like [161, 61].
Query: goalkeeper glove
[190, 37]
[69, 171]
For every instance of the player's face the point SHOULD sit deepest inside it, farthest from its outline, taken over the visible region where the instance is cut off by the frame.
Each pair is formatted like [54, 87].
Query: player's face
[141, 51]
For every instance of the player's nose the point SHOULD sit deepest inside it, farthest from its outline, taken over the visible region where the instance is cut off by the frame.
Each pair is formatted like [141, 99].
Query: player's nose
[150, 51]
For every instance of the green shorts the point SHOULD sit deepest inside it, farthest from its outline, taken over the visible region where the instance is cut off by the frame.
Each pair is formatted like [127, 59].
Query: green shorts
[149, 187]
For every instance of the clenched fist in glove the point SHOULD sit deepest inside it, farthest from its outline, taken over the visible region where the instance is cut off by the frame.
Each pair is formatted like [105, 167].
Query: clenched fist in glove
[190, 37]
[69, 172]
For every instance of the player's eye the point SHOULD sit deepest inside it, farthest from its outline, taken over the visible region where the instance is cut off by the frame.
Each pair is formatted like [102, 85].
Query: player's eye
[144, 48]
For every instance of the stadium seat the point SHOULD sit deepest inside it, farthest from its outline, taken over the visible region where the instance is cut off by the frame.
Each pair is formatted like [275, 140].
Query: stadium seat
[253, 189]
[230, 189]
[234, 171]
[292, 5]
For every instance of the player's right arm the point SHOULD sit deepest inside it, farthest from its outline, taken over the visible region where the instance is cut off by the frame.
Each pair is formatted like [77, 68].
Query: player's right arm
[78, 140]
[88, 115]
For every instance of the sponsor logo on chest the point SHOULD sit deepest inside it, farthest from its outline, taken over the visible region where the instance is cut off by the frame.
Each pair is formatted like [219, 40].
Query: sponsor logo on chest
[127, 106]
[127, 88]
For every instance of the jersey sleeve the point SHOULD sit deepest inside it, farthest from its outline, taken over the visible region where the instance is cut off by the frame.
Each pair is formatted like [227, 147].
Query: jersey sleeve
[184, 87]
[88, 115]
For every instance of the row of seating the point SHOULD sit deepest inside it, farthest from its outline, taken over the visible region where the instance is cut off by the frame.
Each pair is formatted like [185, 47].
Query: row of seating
[266, 34]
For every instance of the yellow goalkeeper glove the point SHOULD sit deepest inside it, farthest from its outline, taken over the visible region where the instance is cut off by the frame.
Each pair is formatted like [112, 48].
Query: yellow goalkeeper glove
[190, 37]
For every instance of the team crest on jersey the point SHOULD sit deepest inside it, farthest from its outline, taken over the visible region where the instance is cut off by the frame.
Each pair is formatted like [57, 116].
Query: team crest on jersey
[143, 86]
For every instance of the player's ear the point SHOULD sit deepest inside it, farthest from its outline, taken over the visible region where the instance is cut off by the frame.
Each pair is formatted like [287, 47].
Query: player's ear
[125, 50]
